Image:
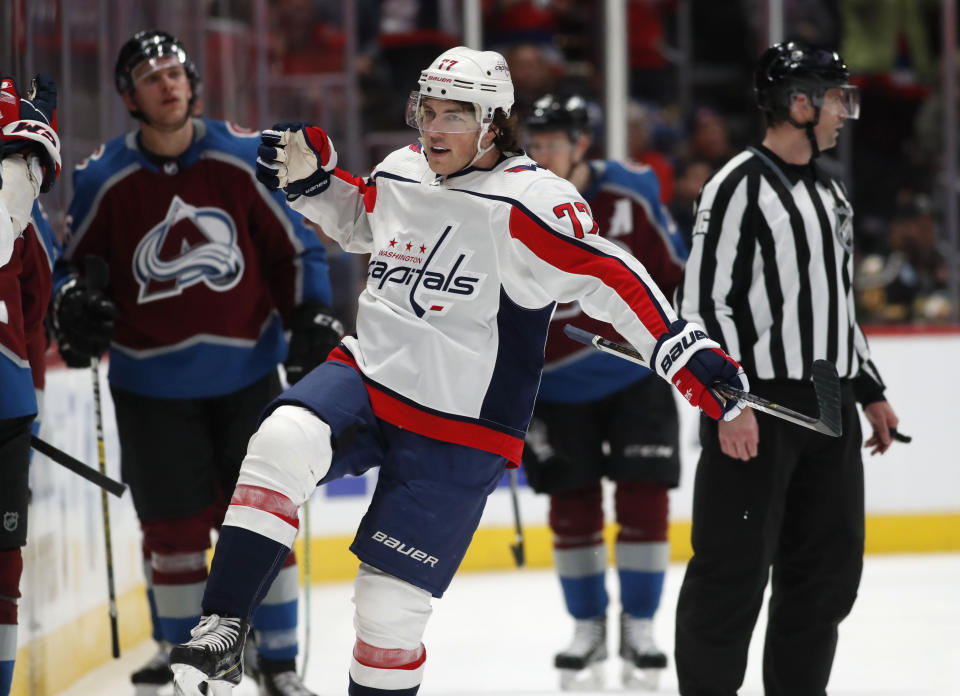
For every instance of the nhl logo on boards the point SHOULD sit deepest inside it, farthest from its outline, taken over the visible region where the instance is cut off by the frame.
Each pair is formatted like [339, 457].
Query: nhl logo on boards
[10, 521]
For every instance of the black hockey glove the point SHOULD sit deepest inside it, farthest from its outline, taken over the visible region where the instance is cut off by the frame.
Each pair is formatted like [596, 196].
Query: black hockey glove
[82, 321]
[314, 332]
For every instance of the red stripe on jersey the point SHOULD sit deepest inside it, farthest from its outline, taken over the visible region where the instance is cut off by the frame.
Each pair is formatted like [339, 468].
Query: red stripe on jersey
[267, 500]
[409, 417]
[367, 190]
[572, 258]
[388, 658]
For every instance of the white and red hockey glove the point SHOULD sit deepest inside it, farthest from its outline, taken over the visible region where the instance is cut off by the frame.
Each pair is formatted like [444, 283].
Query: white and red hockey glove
[297, 158]
[691, 361]
[28, 125]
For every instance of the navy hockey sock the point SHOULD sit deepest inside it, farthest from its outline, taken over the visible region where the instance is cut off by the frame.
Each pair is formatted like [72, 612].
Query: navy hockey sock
[244, 566]
[275, 620]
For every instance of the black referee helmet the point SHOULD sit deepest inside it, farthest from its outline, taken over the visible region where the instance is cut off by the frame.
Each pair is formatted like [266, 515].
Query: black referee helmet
[790, 67]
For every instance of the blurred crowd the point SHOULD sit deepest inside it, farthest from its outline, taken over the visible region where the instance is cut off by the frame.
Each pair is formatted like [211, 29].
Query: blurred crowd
[691, 98]
[894, 158]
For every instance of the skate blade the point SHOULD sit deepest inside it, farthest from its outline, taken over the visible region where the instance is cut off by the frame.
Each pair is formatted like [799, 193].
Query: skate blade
[190, 681]
[637, 679]
[589, 678]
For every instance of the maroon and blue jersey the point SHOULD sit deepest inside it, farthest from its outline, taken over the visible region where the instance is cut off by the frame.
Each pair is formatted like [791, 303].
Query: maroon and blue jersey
[205, 263]
[625, 200]
[25, 283]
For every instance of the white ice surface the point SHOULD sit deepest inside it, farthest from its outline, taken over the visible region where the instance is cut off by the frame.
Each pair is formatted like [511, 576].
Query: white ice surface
[496, 633]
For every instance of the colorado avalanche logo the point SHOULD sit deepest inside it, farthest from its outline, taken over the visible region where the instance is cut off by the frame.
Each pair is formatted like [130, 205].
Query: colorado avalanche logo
[191, 245]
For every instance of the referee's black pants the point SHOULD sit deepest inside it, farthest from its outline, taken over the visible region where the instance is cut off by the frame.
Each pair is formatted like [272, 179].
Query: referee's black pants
[798, 507]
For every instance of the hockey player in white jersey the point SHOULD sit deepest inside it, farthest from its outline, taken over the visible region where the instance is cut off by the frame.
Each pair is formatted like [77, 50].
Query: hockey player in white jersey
[471, 245]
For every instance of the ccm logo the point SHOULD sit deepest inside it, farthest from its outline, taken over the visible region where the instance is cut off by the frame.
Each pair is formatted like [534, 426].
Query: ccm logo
[676, 350]
[400, 547]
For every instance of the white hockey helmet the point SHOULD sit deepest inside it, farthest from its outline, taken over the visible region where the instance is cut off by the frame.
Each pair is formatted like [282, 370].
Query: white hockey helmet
[463, 74]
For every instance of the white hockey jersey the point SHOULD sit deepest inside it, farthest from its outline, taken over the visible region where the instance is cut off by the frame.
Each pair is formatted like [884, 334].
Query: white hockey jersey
[464, 274]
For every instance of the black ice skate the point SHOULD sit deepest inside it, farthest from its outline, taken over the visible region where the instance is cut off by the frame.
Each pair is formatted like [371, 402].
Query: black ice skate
[280, 678]
[214, 655]
[155, 673]
[581, 662]
[643, 661]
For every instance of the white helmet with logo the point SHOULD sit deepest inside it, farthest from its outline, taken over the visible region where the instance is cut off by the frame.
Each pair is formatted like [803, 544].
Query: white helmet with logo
[463, 74]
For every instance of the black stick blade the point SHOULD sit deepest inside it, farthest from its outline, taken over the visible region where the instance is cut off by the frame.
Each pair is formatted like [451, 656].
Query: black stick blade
[517, 550]
[826, 384]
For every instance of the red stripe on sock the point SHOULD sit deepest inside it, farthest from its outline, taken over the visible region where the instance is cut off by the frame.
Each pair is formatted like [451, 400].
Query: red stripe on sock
[267, 500]
[388, 658]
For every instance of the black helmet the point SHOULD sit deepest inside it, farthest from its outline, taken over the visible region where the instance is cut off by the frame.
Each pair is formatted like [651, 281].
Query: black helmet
[146, 45]
[789, 67]
[553, 113]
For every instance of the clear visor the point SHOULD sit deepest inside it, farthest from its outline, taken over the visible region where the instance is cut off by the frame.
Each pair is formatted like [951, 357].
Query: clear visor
[152, 65]
[440, 115]
[843, 101]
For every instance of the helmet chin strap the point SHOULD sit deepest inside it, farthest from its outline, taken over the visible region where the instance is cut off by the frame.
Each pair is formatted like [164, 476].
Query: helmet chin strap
[481, 151]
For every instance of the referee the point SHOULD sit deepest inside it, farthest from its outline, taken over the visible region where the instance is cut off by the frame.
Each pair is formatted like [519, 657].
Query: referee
[770, 276]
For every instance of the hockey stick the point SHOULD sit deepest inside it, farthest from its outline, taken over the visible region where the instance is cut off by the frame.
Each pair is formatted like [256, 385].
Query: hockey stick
[76, 466]
[111, 588]
[97, 274]
[826, 385]
[517, 548]
[307, 581]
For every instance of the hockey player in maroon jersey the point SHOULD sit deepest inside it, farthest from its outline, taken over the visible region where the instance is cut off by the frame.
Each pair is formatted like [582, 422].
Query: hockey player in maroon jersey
[29, 164]
[207, 269]
[471, 244]
[598, 416]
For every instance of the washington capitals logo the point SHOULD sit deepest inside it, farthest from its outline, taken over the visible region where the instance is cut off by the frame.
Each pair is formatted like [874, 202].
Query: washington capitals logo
[426, 277]
[192, 245]
[524, 168]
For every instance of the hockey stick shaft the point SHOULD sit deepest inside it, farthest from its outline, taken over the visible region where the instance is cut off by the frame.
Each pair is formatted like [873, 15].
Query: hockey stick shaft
[110, 485]
[307, 581]
[517, 547]
[726, 391]
[102, 461]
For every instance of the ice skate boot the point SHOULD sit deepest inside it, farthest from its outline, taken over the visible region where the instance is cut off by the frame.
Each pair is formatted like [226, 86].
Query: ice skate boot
[643, 662]
[280, 678]
[581, 662]
[213, 656]
[156, 673]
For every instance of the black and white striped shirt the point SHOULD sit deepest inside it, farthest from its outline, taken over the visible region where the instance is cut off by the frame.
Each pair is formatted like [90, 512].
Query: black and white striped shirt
[770, 272]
